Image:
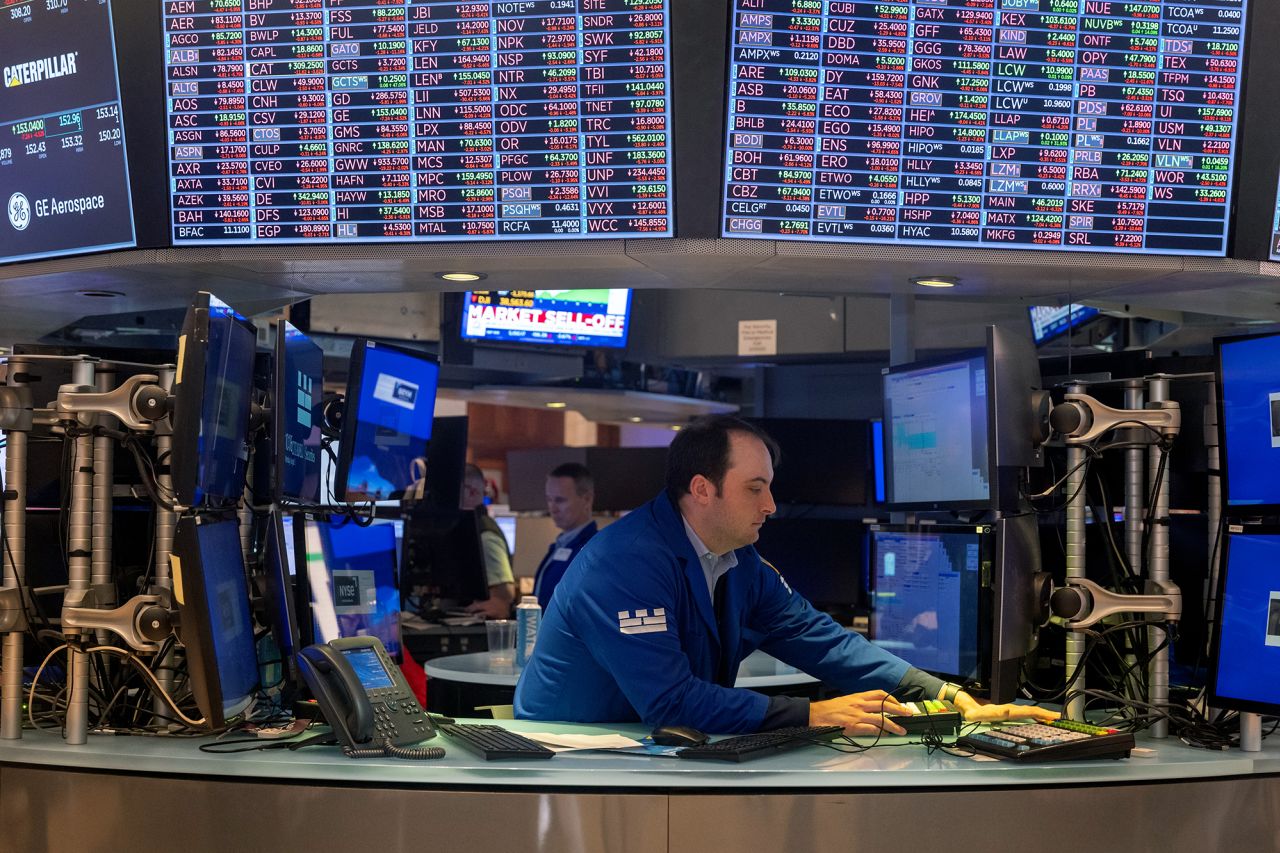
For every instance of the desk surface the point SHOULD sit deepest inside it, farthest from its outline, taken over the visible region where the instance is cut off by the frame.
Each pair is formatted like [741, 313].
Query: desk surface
[897, 763]
[757, 670]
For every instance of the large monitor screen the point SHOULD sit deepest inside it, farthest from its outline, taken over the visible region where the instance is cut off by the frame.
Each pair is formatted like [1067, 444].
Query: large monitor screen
[352, 573]
[64, 180]
[1249, 372]
[330, 120]
[1036, 124]
[1246, 648]
[594, 318]
[937, 442]
[925, 598]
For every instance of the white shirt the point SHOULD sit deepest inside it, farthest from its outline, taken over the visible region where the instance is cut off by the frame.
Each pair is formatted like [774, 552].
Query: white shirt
[713, 565]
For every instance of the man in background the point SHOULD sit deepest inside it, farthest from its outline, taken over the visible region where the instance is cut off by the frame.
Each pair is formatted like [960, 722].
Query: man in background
[497, 559]
[570, 492]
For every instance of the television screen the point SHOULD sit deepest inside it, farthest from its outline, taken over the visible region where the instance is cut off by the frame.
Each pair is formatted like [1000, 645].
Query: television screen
[1035, 125]
[64, 179]
[593, 318]
[1246, 643]
[1249, 394]
[352, 574]
[1050, 321]
[937, 442]
[428, 121]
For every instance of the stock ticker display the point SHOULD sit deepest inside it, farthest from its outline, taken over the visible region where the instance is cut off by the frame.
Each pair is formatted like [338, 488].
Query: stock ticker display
[1091, 125]
[382, 120]
[64, 180]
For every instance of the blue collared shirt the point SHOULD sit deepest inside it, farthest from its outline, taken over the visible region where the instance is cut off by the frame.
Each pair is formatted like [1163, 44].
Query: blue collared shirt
[713, 565]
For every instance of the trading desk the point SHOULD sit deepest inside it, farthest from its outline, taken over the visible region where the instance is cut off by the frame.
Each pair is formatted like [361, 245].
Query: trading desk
[118, 793]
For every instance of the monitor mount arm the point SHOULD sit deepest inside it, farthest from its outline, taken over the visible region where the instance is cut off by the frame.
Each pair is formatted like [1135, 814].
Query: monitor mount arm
[138, 403]
[1081, 419]
[144, 621]
[1083, 603]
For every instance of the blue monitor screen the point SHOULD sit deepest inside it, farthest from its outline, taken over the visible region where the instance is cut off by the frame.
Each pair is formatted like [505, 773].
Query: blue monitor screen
[1247, 664]
[936, 434]
[368, 668]
[390, 404]
[593, 318]
[299, 390]
[877, 457]
[64, 180]
[1028, 124]
[224, 414]
[388, 120]
[234, 649]
[925, 589]
[1050, 321]
[354, 586]
[1250, 372]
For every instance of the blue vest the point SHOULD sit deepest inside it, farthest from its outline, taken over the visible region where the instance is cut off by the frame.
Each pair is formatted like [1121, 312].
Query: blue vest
[551, 570]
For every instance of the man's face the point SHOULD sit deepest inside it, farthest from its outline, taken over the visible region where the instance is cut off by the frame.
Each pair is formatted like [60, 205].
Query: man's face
[744, 500]
[472, 493]
[568, 508]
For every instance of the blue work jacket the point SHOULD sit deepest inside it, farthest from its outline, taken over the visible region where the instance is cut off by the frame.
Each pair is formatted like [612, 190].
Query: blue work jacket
[632, 635]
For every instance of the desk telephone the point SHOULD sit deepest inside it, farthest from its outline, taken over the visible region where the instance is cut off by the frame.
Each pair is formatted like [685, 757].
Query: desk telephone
[365, 699]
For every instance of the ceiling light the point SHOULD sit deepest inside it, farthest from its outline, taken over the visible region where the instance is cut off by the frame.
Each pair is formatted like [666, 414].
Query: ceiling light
[935, 281]
[676, 427]
[636, 420]
[461, 276]
[557, 405]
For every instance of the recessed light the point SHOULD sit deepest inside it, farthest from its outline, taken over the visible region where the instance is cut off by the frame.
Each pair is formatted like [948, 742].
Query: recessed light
[676, 427]
[557, 405]
[636, 420]
[100, 294]
[461, 276]
[935, 281]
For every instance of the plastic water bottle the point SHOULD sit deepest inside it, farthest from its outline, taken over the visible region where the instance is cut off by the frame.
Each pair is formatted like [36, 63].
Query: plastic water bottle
[528, 615]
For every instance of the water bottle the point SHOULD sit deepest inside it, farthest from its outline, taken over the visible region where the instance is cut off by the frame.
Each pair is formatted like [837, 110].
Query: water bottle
[528, 615]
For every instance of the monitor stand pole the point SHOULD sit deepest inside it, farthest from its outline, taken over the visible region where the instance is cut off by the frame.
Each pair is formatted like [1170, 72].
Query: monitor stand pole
[1251, 732]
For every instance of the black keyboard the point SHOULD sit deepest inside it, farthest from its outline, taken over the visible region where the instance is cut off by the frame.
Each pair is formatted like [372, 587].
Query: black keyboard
[494, 742]
[1061, 740]
[760, 744]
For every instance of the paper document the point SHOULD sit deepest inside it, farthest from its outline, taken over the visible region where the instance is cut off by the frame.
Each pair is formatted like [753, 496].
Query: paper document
[566, 743]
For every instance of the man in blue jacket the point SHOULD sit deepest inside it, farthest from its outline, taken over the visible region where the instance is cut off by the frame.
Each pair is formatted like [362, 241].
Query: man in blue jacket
[570, 492]
[652, 619]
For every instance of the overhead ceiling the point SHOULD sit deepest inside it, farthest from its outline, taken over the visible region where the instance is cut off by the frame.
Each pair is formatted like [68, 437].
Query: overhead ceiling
[38, 298]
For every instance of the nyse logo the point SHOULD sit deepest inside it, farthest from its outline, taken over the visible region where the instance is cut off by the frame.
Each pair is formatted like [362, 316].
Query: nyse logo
[19, 211]
[304, 400]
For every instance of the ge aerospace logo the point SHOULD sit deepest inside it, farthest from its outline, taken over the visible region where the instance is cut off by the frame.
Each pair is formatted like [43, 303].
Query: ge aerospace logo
[19, 211]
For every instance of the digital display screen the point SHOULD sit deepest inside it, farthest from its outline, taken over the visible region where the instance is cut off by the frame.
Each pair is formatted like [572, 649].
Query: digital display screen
[352, 574]
[222, 562]
[936, 434]
[391, 408]
[925, 598]
[338, 120]
[368, 668]
[225, 407]
[1247, 665]
[64, 180]
[1250, 371]
[1049, 321]
[1034, 124]
[299, 443]
[594, 318]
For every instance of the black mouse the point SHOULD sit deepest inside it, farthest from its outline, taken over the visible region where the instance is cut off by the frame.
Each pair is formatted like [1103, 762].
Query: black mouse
[678, 736]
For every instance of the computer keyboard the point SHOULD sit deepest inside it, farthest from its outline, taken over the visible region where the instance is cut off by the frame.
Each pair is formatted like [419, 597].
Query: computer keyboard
[1061, 740]
[760, 744]
[494, 742]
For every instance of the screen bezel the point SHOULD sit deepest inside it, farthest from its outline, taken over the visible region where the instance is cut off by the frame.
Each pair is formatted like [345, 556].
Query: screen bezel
[1215, 698]
[1230, 510]
[887, 427]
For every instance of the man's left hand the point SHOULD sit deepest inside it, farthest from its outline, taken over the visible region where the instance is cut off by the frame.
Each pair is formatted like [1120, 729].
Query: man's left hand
[976, 712]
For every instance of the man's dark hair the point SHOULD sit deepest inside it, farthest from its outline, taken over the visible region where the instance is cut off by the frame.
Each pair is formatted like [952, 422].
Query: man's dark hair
[583, 482]
[702, 447]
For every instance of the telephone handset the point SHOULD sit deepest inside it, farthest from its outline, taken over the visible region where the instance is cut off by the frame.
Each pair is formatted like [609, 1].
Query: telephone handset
[365, 698]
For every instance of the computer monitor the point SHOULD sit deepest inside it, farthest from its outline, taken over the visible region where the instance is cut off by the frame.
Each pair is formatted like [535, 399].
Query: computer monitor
[351, 573]
[587, 318]
[212, 392]
[1245, 651]
[877, 459]
[295, 416]
[386, 424]
[823, 461]
[821, 558]
[216, 626]
[446, 462]
[443, 558]
[1052, 321]
[1249, 418]
[962, 602]
[277, 554]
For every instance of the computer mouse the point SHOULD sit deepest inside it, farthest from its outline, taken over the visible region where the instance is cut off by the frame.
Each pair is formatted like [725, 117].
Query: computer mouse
[678, 736]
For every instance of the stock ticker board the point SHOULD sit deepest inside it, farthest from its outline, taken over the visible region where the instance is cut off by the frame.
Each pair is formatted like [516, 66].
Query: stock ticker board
[1089, 125]
[64, 180]
[390, 120]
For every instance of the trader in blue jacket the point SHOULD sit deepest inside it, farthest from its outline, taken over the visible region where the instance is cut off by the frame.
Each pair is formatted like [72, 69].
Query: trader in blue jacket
[570, 491]
[653, 617]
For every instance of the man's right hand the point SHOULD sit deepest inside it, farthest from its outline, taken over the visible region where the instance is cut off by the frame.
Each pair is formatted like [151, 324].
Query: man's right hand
[859, 713]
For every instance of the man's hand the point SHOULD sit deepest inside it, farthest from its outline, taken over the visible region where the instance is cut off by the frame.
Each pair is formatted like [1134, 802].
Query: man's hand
[491, 608]
[859, 713]
[976, 712]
